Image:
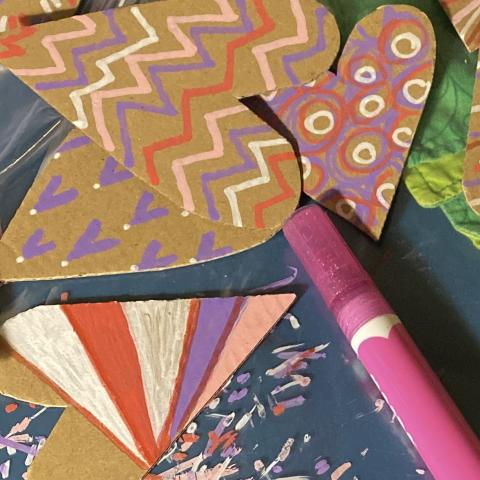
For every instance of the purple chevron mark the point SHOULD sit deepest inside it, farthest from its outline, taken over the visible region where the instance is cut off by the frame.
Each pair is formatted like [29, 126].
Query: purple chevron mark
[74, 143]
[50, 199]
[168, 108]
[113, 172]
[247, 164]
[320, 46]
[82, 79]
[151, 260]
[143, 212]
[34, 247]
[89, 243]
[206, 250]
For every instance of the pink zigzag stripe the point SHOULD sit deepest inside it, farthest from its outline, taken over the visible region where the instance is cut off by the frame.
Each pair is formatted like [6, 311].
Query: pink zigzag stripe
[49, 43]
[143, 84]
[260, 51]
[217, 151]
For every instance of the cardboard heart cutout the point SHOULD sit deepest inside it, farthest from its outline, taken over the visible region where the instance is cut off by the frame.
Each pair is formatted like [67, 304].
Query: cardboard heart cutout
[354, 129]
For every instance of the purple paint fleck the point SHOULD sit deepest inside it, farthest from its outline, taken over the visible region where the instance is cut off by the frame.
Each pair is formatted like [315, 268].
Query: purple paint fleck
[237, 395]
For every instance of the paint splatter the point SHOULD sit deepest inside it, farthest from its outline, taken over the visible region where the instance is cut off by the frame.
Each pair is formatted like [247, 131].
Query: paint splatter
[338, 472]
[322, 466]
[237, 395]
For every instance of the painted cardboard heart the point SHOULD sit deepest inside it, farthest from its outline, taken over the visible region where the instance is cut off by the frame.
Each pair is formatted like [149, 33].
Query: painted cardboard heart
[354, 129]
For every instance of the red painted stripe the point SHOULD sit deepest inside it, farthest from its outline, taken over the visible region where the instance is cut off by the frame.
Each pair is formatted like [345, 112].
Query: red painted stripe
[164, 439]
[104, 333]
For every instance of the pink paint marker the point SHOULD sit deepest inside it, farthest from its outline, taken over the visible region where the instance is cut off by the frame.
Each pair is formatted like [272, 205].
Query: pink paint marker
[436, 427]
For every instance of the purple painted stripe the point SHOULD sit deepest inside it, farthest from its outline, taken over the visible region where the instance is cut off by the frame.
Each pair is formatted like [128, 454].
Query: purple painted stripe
[75, 143]
[212, 321]
[471, 183]
[82, 79]
[247, 164]
[168, 108]
[17, 446]
[320, 46]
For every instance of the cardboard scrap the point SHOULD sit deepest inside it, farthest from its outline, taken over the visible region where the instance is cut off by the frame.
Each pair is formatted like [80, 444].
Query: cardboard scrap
[471, 177]
[17, 15]
[465, 16]
[204, 177]
[138, 371]
[354, 129]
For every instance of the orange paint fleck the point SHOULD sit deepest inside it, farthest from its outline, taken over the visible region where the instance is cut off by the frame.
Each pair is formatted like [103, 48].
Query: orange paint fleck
[33, 405]
[189, 438]
[278, 410]
[179, 456]
[11, 407]
[340, 471]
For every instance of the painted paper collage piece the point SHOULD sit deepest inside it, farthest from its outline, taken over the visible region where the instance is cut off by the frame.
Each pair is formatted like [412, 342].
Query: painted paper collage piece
[355, 129]
[17, 16]
[24, 430]
[465, 16]
[140, 371]
[192, 184]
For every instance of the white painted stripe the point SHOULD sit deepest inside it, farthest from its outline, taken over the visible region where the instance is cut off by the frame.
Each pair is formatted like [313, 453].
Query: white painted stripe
[3, 23]
[231, 192]
[108, 76]
[158, 330]
[46, 339]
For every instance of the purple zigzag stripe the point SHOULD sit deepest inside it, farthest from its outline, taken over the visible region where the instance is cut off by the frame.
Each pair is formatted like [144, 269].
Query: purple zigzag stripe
[82, 79]
[319, 47]
[248, 164]
[207, 62]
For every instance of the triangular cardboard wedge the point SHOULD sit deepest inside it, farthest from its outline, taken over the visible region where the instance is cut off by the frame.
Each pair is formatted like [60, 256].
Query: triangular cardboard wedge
[465, 16]
[354, 129]
[139, 371]
[156, 87]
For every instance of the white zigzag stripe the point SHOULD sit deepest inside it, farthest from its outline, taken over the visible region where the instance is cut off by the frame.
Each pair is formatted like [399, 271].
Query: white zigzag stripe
[108, 76]
[231, 192]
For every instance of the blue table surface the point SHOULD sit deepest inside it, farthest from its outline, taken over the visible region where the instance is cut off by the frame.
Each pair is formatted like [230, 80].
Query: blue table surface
[427, 271]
